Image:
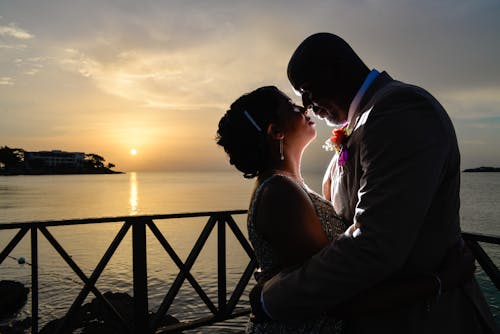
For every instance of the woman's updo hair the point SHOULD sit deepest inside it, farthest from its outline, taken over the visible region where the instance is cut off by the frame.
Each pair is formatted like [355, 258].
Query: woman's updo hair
[245, 145]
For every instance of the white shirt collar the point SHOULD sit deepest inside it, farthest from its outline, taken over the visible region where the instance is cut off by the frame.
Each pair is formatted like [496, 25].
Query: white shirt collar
[359, 95]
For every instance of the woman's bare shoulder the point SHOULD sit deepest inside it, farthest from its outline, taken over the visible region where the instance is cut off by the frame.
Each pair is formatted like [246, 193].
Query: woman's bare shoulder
[282, 195]
[283, 204]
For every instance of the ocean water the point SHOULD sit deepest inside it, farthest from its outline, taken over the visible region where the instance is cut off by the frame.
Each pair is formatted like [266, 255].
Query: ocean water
[39, 198]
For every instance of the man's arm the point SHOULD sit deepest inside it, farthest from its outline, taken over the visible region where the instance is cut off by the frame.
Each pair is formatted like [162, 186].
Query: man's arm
[457, 268]
[403, 154]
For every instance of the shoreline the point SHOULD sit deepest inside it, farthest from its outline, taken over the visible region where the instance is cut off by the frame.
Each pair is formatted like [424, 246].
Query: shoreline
[482, 170]
[60, 173]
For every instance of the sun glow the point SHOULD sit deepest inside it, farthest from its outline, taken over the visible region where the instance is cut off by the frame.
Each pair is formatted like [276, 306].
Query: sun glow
[133, 151]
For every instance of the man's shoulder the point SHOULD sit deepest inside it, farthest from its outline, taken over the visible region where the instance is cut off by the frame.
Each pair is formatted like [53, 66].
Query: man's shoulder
[385, 86]
[401, 100]
[397, 91]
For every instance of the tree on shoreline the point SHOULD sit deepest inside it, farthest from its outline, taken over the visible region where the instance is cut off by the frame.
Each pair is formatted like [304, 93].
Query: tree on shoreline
[11, 158]
[94, 160]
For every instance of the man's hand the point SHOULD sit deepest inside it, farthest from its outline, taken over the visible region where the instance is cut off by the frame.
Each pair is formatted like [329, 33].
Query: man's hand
[258, 314]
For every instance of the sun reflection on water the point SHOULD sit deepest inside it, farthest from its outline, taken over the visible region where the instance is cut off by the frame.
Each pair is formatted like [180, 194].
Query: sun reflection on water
[133, 198]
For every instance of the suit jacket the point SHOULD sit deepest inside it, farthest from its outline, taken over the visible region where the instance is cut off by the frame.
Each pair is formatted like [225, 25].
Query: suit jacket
[401, 185]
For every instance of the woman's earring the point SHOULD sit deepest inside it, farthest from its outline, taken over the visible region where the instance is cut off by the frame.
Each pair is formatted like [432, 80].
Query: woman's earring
[282, 157]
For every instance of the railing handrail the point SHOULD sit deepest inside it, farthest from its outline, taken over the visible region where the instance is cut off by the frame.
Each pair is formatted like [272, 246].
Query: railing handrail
[81, 221]
[225, 309]
[481, 237]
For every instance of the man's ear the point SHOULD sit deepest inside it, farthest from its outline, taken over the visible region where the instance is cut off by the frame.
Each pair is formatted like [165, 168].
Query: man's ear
[275, 132]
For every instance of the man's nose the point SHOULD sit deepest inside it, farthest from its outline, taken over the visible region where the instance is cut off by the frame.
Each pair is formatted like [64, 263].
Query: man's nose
[307, 100]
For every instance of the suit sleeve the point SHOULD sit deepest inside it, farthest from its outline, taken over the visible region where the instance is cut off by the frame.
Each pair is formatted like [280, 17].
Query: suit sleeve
[403, 151]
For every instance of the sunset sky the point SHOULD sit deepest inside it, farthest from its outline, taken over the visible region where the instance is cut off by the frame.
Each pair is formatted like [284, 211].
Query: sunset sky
[106, 77]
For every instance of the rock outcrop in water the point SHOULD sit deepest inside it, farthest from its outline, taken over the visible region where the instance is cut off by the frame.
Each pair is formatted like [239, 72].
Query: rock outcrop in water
[91, 318]
[13, 297]
[96, 318]
[16, 326]
[482, 170]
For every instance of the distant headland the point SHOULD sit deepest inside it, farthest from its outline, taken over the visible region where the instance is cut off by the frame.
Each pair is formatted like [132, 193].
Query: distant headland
[17, 161]
[482, 170]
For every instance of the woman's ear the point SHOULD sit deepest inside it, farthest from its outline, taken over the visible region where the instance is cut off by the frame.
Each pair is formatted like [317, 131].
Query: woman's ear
[275, 132]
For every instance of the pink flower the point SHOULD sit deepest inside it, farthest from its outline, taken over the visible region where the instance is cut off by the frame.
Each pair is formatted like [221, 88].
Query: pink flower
[343, 156]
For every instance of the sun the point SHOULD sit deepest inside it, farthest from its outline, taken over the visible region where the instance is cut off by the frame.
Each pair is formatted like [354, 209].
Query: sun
[133, 151]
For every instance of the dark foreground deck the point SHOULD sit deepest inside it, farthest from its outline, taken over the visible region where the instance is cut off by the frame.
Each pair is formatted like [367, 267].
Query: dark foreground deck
[221, 310]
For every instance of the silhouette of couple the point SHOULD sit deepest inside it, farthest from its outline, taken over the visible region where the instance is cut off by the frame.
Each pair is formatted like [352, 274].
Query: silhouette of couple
[380, 251]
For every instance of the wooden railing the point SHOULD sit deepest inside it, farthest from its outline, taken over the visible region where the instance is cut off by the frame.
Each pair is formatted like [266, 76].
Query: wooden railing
[473, 240]
[221, 310]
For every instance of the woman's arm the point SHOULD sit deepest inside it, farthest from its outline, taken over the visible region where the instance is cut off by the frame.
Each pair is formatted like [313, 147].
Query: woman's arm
[286, 218]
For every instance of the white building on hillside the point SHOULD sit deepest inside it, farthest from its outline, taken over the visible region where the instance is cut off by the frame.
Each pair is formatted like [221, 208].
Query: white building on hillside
[55, 158]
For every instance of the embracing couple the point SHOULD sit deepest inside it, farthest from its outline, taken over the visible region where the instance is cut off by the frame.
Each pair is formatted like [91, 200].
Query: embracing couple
[380, 251]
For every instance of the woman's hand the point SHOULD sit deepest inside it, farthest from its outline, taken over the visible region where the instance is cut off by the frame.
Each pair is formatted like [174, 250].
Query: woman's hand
[258, 315]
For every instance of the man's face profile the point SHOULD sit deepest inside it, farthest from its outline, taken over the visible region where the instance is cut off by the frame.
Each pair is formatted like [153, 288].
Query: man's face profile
[315, 98]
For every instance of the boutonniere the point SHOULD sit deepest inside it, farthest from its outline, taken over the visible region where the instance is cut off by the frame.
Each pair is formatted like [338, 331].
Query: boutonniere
[338, 142]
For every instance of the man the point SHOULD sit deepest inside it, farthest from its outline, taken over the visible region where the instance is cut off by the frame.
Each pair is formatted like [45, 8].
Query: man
[398, 184]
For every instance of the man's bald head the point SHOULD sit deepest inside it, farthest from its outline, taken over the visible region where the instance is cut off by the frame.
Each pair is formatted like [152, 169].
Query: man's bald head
[324, 54]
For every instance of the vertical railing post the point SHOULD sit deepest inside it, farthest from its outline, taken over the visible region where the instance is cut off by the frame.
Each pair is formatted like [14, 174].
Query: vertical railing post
[221, 264]
[141, 322]
[34, 280]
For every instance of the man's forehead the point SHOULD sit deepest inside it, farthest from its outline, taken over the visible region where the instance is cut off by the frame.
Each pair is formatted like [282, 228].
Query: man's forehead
[302, 88]
[298, 91]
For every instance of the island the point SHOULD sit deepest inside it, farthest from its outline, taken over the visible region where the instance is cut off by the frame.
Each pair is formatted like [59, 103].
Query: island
[482, 170]
[17, 161]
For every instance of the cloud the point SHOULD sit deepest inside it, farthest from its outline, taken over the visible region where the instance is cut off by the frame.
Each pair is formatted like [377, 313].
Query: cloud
[6, 81]
[479, 104]
[13, 31]
[13, 46]
[135, 76]
[189, 77]
[31, 65]
[18, 53]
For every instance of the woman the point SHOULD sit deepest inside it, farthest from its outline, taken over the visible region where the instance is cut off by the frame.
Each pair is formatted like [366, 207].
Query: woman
[265, 134]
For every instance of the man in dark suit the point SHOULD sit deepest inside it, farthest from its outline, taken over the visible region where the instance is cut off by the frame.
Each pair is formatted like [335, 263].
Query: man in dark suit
[399, 187]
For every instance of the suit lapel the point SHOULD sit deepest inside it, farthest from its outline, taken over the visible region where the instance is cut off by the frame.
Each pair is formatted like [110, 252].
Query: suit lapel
[381, 81]
[345, 179]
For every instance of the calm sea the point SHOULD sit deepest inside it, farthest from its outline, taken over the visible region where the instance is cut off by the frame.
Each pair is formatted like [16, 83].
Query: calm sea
[37, 198]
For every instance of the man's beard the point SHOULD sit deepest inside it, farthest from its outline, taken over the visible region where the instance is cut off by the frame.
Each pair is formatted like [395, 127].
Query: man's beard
[332, 121]
[331, 118]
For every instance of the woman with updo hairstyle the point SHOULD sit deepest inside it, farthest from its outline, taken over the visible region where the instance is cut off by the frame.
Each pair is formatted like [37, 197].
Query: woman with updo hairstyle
[240, 129]
[264, 134]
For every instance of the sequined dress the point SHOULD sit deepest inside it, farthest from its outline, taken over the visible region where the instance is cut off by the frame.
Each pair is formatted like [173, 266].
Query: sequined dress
[332, 225]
